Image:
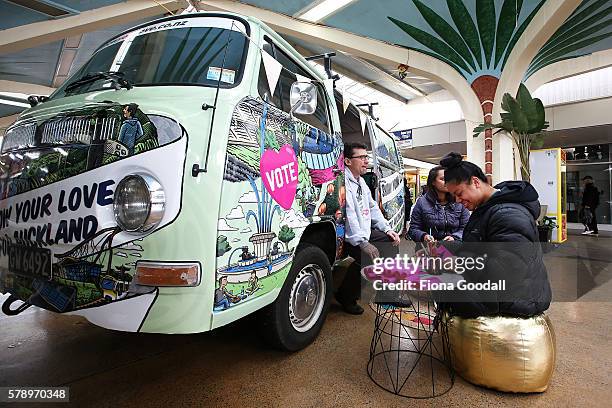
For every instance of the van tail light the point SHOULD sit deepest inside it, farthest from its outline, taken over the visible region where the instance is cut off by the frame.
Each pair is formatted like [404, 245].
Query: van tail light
[167, 274]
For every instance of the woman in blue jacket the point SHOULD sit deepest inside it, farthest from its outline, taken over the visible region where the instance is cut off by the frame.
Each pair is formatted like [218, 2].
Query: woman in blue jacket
[436, 216]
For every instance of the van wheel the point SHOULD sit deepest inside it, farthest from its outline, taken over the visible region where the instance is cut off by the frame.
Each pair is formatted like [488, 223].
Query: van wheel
[294, 320]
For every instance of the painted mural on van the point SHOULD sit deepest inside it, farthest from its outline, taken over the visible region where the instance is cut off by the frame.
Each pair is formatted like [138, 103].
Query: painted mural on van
[287, 174]
[60, 246]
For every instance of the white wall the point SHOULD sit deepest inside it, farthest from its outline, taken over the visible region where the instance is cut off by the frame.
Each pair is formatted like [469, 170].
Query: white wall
[439, 134]
[591, 85]
[580, 114]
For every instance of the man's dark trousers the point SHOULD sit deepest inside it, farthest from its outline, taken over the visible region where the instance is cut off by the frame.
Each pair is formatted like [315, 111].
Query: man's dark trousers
[350, 289]
[593, 224]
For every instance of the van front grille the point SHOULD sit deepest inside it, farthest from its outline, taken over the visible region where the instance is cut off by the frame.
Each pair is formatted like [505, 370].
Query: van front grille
[65, 130]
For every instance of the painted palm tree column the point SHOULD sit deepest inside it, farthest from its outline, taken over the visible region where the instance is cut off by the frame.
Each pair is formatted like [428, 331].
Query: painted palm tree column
[477, 45]
[485, 87]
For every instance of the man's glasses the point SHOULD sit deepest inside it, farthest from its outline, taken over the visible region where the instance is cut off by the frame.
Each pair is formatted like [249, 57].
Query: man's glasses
[362, 157]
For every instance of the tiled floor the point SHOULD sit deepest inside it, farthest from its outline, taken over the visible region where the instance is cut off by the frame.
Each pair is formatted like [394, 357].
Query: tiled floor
[230, 367]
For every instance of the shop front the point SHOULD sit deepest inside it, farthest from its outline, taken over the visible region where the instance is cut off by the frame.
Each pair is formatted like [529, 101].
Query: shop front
[594, 161]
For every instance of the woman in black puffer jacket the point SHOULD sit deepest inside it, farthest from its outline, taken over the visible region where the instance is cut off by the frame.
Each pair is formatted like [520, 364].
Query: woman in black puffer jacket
[502, 229]
[436, 217]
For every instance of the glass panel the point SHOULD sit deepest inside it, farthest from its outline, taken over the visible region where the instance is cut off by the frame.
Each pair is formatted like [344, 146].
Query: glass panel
[385, 147]
[594, 161]
[185, 55]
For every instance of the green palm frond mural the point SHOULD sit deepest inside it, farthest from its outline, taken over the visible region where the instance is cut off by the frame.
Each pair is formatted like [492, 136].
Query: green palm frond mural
[476, 47]
[589, 24]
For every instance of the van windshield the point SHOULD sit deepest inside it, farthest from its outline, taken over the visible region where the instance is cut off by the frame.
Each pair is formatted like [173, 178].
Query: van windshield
[190, 51]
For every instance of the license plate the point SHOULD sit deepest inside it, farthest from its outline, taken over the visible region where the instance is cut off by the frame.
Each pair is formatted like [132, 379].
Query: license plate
[30, 261]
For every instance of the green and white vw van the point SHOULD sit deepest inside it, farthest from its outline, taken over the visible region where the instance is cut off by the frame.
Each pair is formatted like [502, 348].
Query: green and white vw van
[189, 174]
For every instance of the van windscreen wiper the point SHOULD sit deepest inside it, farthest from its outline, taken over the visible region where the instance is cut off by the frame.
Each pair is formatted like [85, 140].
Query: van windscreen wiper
[116, 78]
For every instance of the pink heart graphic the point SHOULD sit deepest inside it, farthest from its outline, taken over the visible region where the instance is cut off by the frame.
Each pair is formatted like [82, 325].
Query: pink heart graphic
[279, 171]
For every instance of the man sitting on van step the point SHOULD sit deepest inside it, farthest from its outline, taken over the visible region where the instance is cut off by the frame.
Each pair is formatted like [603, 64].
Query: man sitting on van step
[368, 234]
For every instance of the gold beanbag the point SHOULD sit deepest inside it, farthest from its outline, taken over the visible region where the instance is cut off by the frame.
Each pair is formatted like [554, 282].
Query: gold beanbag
[504, 353]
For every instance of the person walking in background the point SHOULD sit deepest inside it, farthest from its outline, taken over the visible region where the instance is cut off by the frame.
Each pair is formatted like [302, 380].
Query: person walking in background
[590, 201]
[436, 217]
[407, 205]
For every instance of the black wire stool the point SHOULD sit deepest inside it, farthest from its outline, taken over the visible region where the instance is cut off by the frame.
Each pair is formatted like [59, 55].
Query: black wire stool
[410, 352]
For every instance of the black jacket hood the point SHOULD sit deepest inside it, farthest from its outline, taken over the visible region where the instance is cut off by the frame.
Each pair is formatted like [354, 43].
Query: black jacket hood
[520, 192]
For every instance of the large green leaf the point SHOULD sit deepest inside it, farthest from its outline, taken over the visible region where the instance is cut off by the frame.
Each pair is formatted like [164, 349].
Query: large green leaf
[553, 42]
[505, 28]
[507, 125]
[446, 32]
[519, 32]
[571, 40]
[519, 119]
[432, 43]
[532, 69]
[440, 57]
[505, 105]
[541, 124]
[463, 20]
[528, 106]
[581, 6]
[484, 126]
[567, 50]
[537, 141]
[577, 18]
[485, 16]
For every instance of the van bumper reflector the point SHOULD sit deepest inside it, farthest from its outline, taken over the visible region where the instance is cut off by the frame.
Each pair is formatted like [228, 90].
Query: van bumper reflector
[167, 274]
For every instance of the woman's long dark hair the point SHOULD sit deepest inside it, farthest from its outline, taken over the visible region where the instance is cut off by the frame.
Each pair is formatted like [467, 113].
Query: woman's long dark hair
[457, 170]
[431, 178]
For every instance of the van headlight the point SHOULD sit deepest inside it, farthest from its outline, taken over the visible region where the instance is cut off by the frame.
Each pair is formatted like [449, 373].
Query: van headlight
[139, 203]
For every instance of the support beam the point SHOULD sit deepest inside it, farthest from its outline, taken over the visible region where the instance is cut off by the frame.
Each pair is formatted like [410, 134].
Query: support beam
[569, 68]
[546, 22]
[31, 35]
[376, 51]
[391, 78]
[355, 77]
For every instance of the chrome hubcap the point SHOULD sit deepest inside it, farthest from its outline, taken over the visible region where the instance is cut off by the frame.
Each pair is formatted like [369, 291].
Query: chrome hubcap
[307, 298]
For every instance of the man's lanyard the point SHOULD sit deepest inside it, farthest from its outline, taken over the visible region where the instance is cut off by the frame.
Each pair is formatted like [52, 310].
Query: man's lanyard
[359, 189]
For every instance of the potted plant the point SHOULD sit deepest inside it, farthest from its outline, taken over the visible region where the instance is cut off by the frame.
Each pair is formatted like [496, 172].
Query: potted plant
[545, 227]
[524, 121]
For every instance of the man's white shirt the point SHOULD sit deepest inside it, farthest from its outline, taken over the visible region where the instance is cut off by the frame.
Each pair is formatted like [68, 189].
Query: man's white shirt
[362, 212]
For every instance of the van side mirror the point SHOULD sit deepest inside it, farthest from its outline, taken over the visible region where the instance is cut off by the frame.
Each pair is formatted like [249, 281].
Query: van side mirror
[303, 98]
